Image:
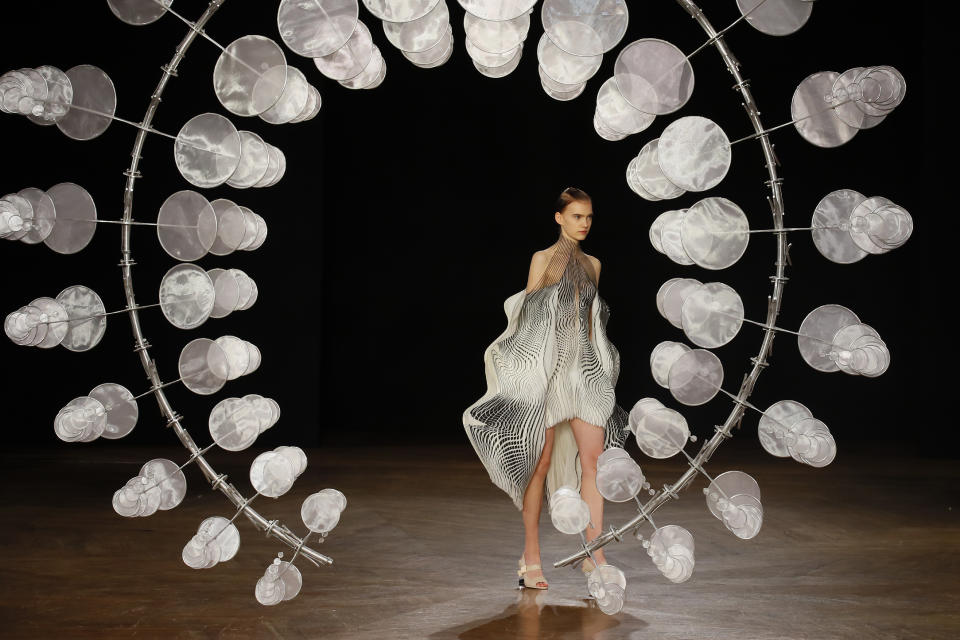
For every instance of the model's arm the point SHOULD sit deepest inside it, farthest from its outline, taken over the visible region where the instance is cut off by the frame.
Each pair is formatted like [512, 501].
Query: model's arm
[596, 273]
[538, 264]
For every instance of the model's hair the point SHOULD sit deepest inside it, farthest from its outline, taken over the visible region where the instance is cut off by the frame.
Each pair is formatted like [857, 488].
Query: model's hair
[570, 194]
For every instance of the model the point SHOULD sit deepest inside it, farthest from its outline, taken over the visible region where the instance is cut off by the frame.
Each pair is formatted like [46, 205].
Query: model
[550, 410]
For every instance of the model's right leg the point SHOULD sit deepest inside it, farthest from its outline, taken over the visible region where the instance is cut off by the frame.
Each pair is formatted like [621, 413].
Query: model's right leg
[532, 503]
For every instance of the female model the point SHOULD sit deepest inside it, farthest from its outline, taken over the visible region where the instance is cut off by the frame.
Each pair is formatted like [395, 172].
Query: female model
[550, 409]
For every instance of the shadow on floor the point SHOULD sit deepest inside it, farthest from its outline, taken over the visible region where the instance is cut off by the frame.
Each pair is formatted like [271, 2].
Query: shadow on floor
[530, 617]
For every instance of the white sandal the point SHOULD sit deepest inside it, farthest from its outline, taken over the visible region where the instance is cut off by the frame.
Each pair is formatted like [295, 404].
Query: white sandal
[522, 572]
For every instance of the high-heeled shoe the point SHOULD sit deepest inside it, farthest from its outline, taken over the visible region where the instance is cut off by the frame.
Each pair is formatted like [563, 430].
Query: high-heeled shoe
[534, 583]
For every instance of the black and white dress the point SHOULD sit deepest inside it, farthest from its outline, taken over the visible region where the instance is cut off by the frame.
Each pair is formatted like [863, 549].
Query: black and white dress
[552, 363]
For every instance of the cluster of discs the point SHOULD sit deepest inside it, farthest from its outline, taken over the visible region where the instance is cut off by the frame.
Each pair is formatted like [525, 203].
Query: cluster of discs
[210, 151]
[710, 314]
[660, 432]
[272, 473]
[217, 540]
[109, 410]
[321, 511]
[606, 583]
[575, 37]
[74, 319]
[829, 108]
[847, 226]
[713, 233]
[787, 428]
[733, 498]
[331, 33]
[64, 217]
[692, 154]
[235, 423]
[419, 29]
[160, 485]
[832, 338]
[619, 478]
[189, 295]
[205, 365]
[281, 581]
[672, 551]
[80, 101]
[494, 34]
[189, 226]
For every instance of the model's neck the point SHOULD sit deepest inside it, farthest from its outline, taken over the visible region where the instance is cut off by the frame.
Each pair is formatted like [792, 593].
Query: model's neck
[567, 241]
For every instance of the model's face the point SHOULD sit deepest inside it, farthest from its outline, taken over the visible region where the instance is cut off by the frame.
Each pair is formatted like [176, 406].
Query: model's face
[576, 219]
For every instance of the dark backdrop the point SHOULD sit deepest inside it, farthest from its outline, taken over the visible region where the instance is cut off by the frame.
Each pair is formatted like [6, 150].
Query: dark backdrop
[408, 214]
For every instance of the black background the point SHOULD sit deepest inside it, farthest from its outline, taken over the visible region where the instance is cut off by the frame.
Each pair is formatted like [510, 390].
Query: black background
[408, 214]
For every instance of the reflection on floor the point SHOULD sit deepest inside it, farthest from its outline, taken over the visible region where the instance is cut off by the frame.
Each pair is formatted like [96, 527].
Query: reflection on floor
[427, 548]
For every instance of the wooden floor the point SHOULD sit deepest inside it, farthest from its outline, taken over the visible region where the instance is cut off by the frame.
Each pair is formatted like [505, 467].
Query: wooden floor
[427, 547]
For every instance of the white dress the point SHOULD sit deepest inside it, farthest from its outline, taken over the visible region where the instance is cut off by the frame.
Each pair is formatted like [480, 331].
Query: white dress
[552, 363]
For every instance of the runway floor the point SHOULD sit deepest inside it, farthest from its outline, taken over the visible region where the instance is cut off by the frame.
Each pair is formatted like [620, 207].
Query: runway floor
[427, 548]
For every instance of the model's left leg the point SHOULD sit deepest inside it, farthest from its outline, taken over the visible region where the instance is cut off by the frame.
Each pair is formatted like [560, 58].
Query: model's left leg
[590, 443]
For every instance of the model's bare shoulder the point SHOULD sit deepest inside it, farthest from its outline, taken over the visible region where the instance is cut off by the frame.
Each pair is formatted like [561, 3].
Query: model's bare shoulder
[538, 264]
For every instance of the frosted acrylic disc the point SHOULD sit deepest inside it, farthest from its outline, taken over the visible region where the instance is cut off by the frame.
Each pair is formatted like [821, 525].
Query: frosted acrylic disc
[619, 478]
[694, 153]
[565, 67]
[44, 215]
[369, 74]
[296, 456]
[502, 70]
[320, 513]
[314, 28]
[59, 96]
[76, 218]
[813, 442]
[491, 60]
[420, 34]
[585, 28]
[405, 11]
[56, 319]
[226, 292]
[311, 108]
[271, 474]
[186, 225]
[712, 315]
[81, 420]
[605, 131]
[661, 432]
[860, 224]
[671, 240]
[207, 150]
[94, 93]
[662, 358]
[240, 78]
[253, 161]
[230, 227]
[122, 410]
[87, 323]
[673, 297]
[501, 10]
[654, 76]
[651, 177]
[831, 222]
[186, 296]
[445, 57]
[291, 578]
[813, 117]
[24, 211]
[245, 284]
[223, 533]
[729, 484]
[776, 17]
[350, 59]
[816, 335]
[293, 99]
[642, 407]
[273, 168]
[695, 377]
[845, 93]
[234, 424]
[776, 422]
[203, 366]
[261, 236]
[496, 36]
[617, 113]
[633, 181]
[238, 358]
[139, 12]
[435, 53]
[568, 512]
[715, 233]
[170, 479]
[562, 96]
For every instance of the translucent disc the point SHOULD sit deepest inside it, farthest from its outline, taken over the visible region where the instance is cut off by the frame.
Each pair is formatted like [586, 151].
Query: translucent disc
[261, 236]
[776, 422]
[273, 167]
[291, 578]
[44, 215]
[727, 485]
[695, 377]
[816, 335]
[446, 56]
[833, 212]
[619, 478]
[320, 512]
[776, 17]
[293, 99]
[654, 76]
[271, 474]
[186, 296]
[845, 94]
[743, 516]
[76, 218]
[200, 553]
[315, 28]
[812, 443]
[245, 284]
[604, 131]
[633, 181]
[496, 36]
[491, 60]
[186, 225]
[420, 34]
[203, 366]
[562, 95]
[617, 113]
[501, 10]
[568, 512]
[712, 315]
[234, 424]
[122, 410]
[253, 161]
[369, 74]
[240, 77]
[296, 456]
[230, 227]
[673, 297]
[435, 53]
[312, 108]
[226, 292]
[350, 59]
[879, 90]
[94, 93]
[223, 533]
[207, 150]
[87, 323]
[59, 96]
[405, 11]
[860, 224]
[55, 315]
[814, 119]
[269, 591]
[565, 67]
[671, 240]
[694, 153]
[651, 177]
[585, 28]
[22, 91]
[172, 482]
[714, 233]
[661, 432]
[81, 420]
[662, 358]
[238, 358]
[672, 551]
[139, 12]
[25, 211]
